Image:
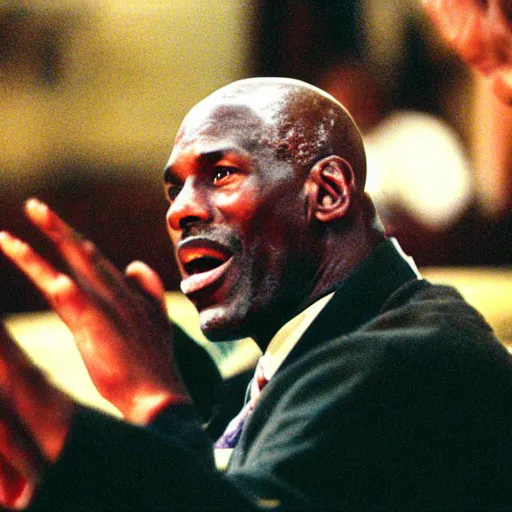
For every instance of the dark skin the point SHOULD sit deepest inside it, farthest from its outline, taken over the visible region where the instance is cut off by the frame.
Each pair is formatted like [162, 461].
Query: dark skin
[267, 211]
[295, 195]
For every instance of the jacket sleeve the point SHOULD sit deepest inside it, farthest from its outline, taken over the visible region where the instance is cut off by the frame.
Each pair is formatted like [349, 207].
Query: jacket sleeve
[110, 465]
[414, 419]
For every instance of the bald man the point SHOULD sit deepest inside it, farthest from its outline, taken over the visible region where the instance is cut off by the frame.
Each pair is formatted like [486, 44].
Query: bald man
[376, 389]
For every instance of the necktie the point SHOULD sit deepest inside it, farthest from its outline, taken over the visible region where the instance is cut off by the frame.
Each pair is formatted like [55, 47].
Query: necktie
[277, 351]
[233, 431]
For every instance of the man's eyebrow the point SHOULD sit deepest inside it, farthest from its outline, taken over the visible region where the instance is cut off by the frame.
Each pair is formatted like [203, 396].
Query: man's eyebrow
[214, 156]
[205, 158]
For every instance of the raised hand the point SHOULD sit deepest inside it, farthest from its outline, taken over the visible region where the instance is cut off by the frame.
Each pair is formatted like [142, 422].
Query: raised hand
[466, 25]
[34, 421]
[119, 321]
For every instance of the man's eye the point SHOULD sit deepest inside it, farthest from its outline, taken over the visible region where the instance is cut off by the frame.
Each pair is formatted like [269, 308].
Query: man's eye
[221, 173]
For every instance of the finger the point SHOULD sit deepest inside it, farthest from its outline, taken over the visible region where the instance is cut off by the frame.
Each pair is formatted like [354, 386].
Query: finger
[35, 416]
[21, 460]
[17, 446]
[28, 261]
[148, 280]
[86, 263]
[58, 288]
[12, 360]
[16, 490]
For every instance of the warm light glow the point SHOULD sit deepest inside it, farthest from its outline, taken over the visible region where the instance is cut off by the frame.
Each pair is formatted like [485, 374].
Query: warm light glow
[129, 71]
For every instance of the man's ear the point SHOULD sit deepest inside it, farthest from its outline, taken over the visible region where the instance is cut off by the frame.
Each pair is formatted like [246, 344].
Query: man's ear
[329, 187]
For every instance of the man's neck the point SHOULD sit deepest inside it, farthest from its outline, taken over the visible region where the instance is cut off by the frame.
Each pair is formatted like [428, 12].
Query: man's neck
[343, 256]
[334, 270]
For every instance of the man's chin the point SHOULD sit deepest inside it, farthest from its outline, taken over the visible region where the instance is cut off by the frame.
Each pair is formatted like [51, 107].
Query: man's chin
[217, 325]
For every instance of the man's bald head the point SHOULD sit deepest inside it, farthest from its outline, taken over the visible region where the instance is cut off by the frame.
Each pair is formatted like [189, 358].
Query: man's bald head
[265, 185]
[299, 122]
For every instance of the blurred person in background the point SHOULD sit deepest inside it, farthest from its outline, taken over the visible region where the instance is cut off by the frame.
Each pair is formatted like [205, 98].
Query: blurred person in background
[409, 153]
[481, 34]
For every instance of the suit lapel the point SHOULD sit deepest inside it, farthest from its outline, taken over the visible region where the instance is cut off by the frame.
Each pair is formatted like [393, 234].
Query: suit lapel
[358, 299]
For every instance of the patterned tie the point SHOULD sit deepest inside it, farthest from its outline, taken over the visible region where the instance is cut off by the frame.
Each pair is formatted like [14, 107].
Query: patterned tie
[233, 431]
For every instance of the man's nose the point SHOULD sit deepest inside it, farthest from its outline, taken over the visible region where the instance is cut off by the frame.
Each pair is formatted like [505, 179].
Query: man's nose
[190, 206]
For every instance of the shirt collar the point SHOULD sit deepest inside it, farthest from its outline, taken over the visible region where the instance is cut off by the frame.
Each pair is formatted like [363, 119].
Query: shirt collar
[287, 337]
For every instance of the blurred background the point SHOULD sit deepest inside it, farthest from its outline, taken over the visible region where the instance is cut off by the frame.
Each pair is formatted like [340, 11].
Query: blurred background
[92, 93]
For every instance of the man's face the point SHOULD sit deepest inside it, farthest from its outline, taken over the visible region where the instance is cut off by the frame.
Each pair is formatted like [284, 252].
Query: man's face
[481, 33]
[237, 221]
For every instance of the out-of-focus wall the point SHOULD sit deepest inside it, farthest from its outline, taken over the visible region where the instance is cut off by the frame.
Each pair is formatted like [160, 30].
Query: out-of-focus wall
[124, 74]
[91, 95]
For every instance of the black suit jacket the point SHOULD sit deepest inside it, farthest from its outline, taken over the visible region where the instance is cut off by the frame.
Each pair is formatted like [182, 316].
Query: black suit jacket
[398, 396]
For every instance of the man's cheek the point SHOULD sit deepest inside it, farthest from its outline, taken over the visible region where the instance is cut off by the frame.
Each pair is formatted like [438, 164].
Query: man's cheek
[237, 208]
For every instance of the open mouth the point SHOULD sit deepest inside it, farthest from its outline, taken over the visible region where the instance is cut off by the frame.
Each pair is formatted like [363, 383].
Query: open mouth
[204, 262]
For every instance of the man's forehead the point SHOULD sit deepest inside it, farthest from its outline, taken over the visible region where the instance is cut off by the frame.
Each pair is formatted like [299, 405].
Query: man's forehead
[208, 133]
[216, 118]
[219, 126]
[284, 116]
